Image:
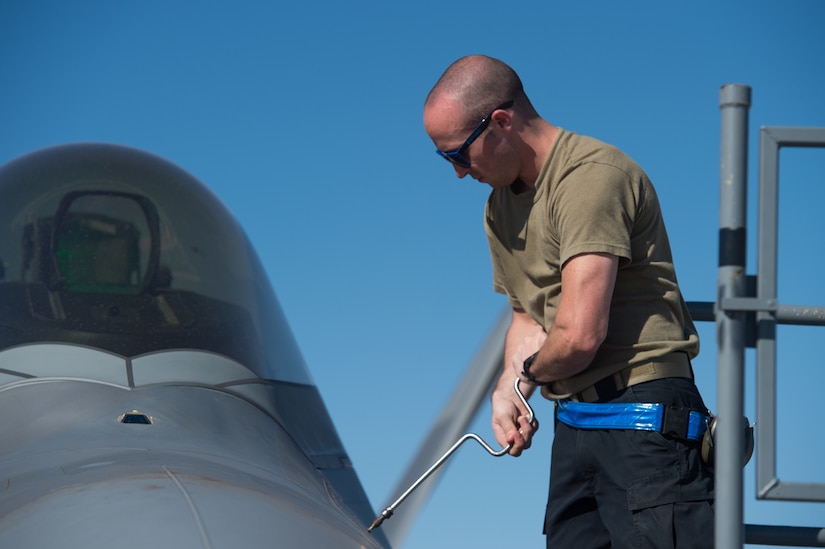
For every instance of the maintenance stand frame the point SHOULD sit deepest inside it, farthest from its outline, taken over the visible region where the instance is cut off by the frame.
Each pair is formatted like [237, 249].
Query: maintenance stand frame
[746, 314]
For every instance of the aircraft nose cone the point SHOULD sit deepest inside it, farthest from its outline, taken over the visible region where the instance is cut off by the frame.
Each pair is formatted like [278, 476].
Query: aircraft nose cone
[164, 508]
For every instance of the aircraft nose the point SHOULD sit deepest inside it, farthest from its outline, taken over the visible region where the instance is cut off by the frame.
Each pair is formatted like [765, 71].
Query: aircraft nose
[173, 507]
[159, 466]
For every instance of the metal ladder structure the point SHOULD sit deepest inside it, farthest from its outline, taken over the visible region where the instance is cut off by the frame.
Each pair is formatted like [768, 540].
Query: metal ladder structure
[746, 313]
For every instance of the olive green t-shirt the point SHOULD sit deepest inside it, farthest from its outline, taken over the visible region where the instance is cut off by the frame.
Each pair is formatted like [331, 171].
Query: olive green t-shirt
[591, 198]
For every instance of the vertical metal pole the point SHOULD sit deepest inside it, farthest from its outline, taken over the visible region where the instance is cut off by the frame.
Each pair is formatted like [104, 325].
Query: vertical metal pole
[734, 101]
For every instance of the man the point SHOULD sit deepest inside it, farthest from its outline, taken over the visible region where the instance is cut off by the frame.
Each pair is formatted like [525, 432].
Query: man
[579, 248]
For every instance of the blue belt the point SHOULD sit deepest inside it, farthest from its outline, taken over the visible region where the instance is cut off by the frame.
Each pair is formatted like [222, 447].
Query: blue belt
[641, 416]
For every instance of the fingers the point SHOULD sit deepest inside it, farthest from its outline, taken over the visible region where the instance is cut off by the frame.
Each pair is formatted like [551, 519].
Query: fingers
[522, 438]
[511, 422]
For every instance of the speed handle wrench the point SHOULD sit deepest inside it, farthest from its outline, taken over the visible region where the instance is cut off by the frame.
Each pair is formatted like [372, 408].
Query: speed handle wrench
[388, 512]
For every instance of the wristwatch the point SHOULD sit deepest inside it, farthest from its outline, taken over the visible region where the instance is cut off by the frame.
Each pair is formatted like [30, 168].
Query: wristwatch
[526, 371]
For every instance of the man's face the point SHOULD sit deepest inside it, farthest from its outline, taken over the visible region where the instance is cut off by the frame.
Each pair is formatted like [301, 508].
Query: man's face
[476, 151]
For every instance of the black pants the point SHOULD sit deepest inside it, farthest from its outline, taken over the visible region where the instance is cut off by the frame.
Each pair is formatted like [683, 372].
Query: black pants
[630, 489]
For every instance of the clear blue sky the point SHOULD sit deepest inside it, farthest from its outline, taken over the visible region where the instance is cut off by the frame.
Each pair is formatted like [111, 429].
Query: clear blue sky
[306, 120]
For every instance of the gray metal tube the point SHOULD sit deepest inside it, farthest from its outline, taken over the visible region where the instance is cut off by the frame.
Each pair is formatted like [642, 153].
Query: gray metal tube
[734, 102]
[787, 536]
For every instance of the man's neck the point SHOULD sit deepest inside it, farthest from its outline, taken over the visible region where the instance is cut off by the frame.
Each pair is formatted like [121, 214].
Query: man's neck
[539, 147]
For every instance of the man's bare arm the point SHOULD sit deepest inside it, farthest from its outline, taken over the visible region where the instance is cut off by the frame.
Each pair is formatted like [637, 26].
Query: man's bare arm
[580, 326]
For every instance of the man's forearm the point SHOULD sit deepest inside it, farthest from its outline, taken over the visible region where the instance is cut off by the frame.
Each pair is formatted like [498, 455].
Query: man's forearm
[522, 328]
[559, 358]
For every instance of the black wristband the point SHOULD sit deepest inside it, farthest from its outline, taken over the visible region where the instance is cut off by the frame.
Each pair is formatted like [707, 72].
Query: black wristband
[526, 371]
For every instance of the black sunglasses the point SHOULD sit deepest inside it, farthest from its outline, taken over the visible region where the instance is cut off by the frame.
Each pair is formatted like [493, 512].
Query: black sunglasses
[455, 156]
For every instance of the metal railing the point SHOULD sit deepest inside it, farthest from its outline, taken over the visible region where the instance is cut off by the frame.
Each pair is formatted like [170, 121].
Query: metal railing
[746, 314]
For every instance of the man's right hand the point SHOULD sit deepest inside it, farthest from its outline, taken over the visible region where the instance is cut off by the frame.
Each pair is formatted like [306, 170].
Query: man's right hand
[511, 421]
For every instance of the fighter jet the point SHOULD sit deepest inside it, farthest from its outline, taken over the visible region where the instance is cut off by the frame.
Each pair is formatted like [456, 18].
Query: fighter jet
[151, 391]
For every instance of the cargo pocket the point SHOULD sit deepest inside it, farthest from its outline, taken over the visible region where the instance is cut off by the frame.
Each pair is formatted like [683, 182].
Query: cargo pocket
[670, 511]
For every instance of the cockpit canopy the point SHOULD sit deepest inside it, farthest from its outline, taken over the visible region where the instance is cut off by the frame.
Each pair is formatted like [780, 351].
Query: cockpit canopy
[113, 248]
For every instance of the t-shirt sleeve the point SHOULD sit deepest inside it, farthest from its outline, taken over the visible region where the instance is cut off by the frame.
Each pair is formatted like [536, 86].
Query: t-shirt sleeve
[594, 209]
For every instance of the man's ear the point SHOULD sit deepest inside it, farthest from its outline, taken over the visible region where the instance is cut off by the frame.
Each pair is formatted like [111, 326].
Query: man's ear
[503, 119]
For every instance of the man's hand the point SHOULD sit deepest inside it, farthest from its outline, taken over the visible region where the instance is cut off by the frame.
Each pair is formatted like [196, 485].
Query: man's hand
[511, 423]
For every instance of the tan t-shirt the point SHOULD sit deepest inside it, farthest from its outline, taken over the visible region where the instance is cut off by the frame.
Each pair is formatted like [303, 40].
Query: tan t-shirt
[590, 197]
